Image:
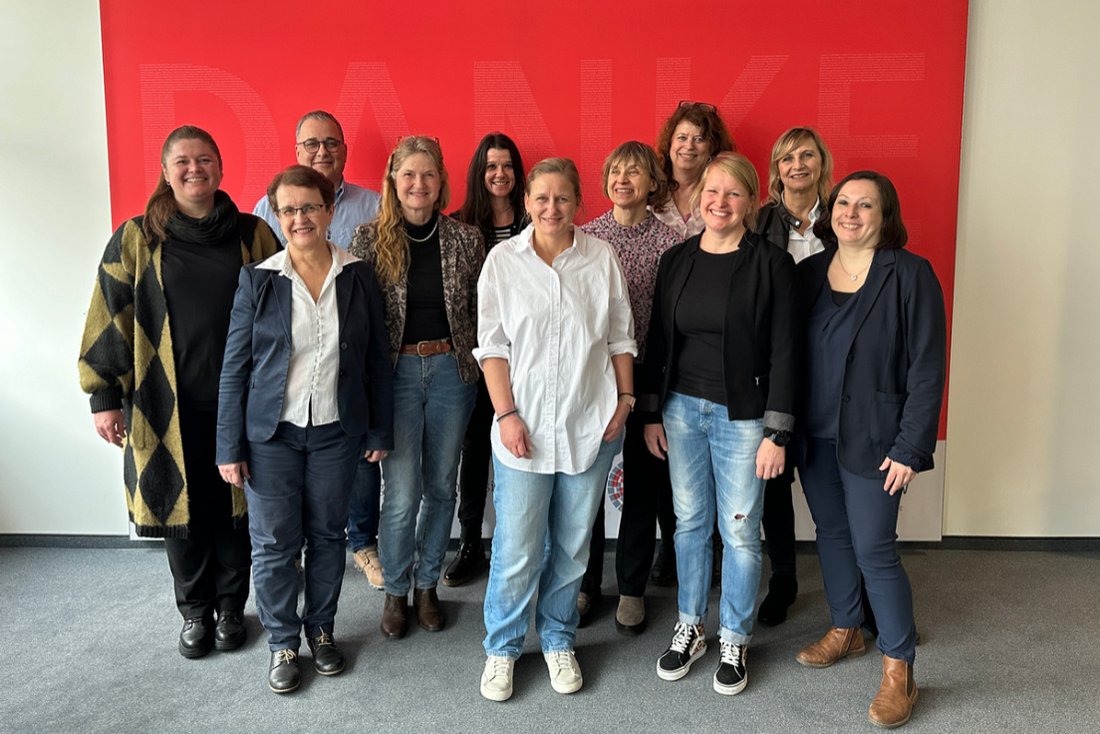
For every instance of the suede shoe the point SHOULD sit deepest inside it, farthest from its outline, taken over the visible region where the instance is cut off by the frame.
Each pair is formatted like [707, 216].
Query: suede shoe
[664, 567]
[893, 704]
[630, 615]
[429, 615]
[366, 560]
[469, 563]
[196, 637]
[782, 591]
[496, 679]
[229, 632]
[327, 658]
[395, 616]
[587, 607]
[837, 643]
[284, 675]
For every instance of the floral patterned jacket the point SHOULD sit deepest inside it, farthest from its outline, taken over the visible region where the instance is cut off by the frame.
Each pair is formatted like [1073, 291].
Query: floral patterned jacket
[463, 251]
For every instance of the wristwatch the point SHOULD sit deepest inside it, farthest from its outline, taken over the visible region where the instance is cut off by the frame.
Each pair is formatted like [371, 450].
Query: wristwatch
[779, 438]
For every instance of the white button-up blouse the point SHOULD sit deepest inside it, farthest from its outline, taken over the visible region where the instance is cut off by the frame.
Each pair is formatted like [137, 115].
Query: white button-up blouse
[558, 327]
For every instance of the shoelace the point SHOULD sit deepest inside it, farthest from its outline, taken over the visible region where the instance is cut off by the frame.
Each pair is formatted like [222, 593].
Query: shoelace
[730, 653]
[562, 660]
[323, 638]
[285, 656]
[683, 637]
[498, 666]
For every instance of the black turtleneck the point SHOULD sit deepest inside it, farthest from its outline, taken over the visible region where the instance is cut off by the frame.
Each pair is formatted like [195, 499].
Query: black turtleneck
[425, 309]
[200, 263]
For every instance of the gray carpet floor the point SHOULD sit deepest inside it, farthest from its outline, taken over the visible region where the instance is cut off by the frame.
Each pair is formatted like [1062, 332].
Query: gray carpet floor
[1010, 642]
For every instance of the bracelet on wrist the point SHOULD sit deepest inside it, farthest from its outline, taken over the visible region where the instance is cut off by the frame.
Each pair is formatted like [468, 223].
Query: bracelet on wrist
[505, 414]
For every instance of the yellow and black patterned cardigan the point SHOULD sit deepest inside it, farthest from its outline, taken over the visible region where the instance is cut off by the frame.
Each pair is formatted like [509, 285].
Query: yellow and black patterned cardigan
[126, 362]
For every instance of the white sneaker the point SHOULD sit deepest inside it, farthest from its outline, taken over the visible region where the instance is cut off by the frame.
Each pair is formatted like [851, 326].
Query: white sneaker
[496, 679]
[565, 673]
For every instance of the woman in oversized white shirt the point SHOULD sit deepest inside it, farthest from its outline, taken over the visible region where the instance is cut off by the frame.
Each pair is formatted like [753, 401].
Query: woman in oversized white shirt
[556, 343]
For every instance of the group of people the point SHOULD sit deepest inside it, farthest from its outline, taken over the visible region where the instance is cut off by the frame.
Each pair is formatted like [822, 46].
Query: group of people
[263, 381]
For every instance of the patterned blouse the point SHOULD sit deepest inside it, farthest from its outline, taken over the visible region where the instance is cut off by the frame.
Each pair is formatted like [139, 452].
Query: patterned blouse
[639, 249]
[670, 215]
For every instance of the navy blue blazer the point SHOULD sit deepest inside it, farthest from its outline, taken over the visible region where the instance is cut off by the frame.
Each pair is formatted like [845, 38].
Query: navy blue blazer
[896, 364]
[257, 359]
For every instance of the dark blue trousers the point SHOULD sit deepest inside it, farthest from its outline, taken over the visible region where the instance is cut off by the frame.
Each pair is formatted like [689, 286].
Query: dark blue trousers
[363, 511]
[301, 482]
[857, 531]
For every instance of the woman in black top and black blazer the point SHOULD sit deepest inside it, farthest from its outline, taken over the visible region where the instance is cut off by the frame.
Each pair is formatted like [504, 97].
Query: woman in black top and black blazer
[876, 340]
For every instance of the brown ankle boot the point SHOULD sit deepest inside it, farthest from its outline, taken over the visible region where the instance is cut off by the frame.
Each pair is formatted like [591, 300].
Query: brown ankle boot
[428, 613]
[395, 617]
[838, 642]
[894, 701]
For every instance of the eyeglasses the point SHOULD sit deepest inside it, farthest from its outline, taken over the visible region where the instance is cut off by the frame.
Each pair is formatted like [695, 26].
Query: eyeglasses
[691, 104]
[289, 212]
[313, 144]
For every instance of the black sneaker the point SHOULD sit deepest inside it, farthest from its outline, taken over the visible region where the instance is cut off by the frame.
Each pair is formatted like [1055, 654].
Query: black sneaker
[688, 645]
[731, 676]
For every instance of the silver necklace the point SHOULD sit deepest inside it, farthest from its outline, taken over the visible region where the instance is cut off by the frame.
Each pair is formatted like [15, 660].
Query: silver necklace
[853, 276]
[429, 236]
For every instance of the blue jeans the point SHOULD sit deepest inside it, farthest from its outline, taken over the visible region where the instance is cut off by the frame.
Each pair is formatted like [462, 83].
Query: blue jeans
[301, 479]
[431, 409]
[534, 511]
[363, 511]
[712, 463]
[857, 524]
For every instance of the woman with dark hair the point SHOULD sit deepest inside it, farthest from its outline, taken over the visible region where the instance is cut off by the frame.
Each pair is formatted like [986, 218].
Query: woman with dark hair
[799, 178]
[150, 359]
[306, 390]
[632, 179]
[723, 351]
[428, 266]
[555, 340]
[494, 204]
[688, 140]
[876, 341]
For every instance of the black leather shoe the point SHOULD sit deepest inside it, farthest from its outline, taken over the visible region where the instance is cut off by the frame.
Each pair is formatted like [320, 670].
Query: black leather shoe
[229, 632]
[327, 658]
[782, 591]
[196, 637]
[469, 563]
[664, 568]
[284, 675]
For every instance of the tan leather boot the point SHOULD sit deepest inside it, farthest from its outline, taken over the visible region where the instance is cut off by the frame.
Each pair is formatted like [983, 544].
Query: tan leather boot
[838, 642]
[894, 701]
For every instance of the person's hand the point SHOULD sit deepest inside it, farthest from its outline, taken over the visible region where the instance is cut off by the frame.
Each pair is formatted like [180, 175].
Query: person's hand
[110, 425]
[770, 460]
[898, 476]
[655, 440]
[376, 455]
[514, 436]
[617, 423]
[235, 473]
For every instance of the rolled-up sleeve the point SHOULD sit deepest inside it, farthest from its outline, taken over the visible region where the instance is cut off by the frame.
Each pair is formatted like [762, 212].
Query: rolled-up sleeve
[492, 340]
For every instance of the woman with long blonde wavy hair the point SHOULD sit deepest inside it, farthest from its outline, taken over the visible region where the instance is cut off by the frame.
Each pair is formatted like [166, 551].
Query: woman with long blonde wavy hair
[427, 265]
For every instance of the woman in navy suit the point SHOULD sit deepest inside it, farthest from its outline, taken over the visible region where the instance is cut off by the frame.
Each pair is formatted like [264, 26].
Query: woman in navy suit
[876, 340]
[306, 389]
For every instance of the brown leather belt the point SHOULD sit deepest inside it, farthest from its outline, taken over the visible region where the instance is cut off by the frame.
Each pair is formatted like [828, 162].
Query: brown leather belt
[427, 349]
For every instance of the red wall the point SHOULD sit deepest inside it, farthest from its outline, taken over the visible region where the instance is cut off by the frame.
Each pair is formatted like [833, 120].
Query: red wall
[883, 82]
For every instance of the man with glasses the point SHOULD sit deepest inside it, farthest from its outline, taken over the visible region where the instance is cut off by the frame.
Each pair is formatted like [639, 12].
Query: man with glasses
[319, 143]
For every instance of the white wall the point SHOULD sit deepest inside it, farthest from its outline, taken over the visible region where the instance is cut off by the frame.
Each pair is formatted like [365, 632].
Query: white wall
[56, 475]
[1024, 391]
[1023, 396]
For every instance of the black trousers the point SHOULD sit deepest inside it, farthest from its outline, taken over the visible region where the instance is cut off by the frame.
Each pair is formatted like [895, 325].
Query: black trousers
[647, 497]
[211, 566]
[473, 474]
[778, 522]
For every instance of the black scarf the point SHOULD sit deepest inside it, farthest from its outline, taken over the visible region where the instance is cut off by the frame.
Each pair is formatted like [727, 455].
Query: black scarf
[216, 228]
